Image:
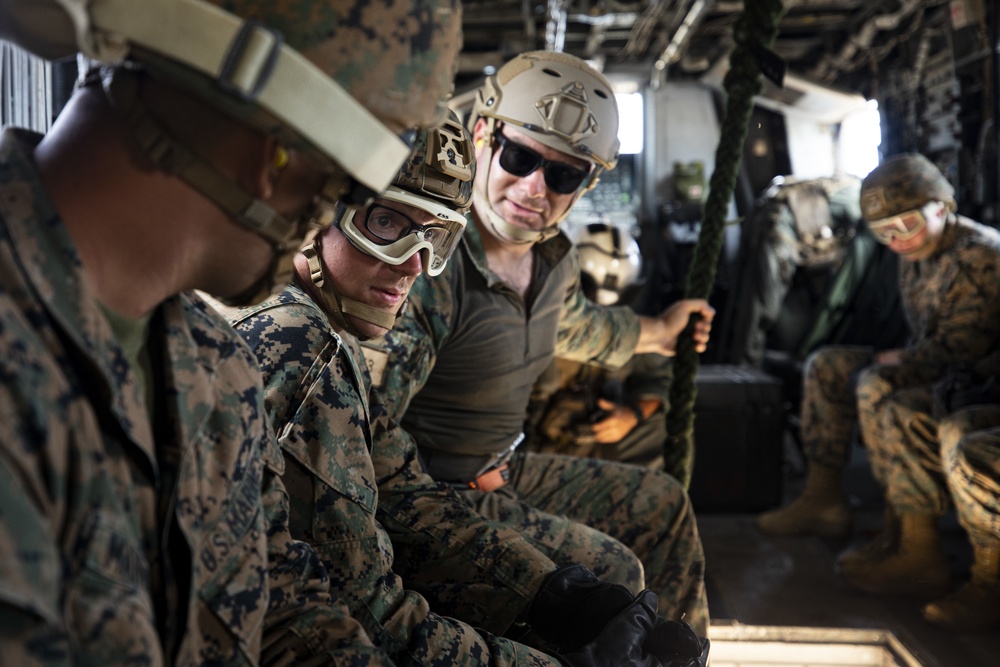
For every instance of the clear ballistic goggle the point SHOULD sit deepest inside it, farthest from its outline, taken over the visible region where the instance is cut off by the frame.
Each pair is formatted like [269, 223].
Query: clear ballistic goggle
[903, 226]
[393, 236]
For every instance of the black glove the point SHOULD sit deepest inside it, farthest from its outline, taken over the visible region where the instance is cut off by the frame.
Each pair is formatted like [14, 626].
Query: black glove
[573, 606]
[637, 637]
[675, 644]
[623, 640]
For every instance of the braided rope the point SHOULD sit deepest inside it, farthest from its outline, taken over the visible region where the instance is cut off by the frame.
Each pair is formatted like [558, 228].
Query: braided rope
[756, 27]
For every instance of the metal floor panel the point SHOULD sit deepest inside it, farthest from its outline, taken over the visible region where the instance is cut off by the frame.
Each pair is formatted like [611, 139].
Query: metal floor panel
[756, 580]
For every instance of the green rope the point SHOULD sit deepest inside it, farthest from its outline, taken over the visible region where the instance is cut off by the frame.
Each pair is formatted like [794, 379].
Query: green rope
[756, 27]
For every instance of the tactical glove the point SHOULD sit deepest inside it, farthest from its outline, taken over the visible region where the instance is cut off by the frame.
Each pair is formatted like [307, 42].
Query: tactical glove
[573, 606]
[675, 644]
[636, 637]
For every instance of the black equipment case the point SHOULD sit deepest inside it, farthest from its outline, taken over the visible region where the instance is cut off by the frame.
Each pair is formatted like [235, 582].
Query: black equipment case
[738, 431]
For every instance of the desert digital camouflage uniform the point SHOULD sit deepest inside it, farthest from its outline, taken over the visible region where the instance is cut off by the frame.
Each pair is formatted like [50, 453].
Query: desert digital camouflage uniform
[122, 543]
[565, 396]
[317, 398]
[461, 362]
[952, 303]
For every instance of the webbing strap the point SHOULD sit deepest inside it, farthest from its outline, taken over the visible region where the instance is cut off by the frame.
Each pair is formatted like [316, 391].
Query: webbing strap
[248, 59]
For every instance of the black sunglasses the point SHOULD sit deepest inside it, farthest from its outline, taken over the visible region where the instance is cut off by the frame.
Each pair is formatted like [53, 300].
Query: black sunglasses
[520, 160]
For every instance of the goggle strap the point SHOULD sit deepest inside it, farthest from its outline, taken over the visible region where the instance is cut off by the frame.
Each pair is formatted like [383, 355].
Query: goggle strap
[174, 158]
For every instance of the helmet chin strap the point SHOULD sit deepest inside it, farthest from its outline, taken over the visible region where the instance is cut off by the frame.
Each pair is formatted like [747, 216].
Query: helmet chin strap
[337, 306]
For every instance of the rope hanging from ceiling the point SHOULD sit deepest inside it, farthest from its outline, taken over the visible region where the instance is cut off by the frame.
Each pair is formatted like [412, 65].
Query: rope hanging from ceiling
[754, 32]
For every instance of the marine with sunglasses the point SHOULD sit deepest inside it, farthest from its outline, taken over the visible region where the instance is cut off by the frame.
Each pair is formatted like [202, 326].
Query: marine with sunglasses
[461, 361]
[355, 485]
[949, 279]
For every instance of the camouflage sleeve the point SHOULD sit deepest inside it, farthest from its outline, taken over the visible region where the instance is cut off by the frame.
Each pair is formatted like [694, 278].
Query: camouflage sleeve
[591, 333]
[31, 628]
[466, 566]
[303, 623]
[649, 378]
[966, 324]
[35, 434]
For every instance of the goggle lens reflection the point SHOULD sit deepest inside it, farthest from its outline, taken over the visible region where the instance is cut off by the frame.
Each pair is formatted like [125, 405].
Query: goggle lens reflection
[900, 227]
[387, 225]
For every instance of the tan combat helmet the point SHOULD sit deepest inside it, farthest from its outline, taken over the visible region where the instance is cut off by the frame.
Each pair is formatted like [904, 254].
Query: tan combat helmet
[903, 183]
[610, 262]
[341, 80]
[436, 178]
[558, 100]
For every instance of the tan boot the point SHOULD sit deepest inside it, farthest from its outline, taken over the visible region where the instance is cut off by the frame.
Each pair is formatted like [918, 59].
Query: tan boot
[881, 546]
[975, 607]
[918, 566]
[820, 510]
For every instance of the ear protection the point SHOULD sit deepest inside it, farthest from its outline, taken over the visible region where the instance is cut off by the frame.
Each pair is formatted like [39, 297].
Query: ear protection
[280, 157]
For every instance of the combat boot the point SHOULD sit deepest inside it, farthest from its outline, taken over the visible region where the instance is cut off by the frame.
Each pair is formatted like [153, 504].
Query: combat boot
[882, 545]
[975, 607]
[820, 510]
[917, 567]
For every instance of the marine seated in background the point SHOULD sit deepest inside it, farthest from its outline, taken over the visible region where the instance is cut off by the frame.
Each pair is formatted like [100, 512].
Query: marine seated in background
[951, 295]
[589, 410]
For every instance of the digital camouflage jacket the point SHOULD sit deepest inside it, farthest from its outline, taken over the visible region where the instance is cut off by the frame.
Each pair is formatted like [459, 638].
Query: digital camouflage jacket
[357, 491]
[121, 543]
[952, 301]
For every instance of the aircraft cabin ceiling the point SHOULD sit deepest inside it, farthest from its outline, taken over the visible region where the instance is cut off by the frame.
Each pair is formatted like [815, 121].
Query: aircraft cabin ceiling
[836, 43]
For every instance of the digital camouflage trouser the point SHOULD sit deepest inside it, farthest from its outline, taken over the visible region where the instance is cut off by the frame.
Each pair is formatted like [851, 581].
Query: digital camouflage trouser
[841, 386]
[960, 466]
[550, 498]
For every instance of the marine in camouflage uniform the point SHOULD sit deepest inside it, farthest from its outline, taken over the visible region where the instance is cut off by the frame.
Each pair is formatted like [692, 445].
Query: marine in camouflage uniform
[132, 544]
[951, 298]
[463, 358]
[317, 397]
[142, 518]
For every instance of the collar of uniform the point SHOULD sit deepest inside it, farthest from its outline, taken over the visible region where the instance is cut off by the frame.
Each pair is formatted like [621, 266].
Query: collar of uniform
[552, 251]
[949, 235]
[291, 294]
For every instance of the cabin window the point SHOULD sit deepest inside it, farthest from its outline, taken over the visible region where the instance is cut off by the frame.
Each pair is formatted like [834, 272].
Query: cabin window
[630, 122]
[860, 137]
